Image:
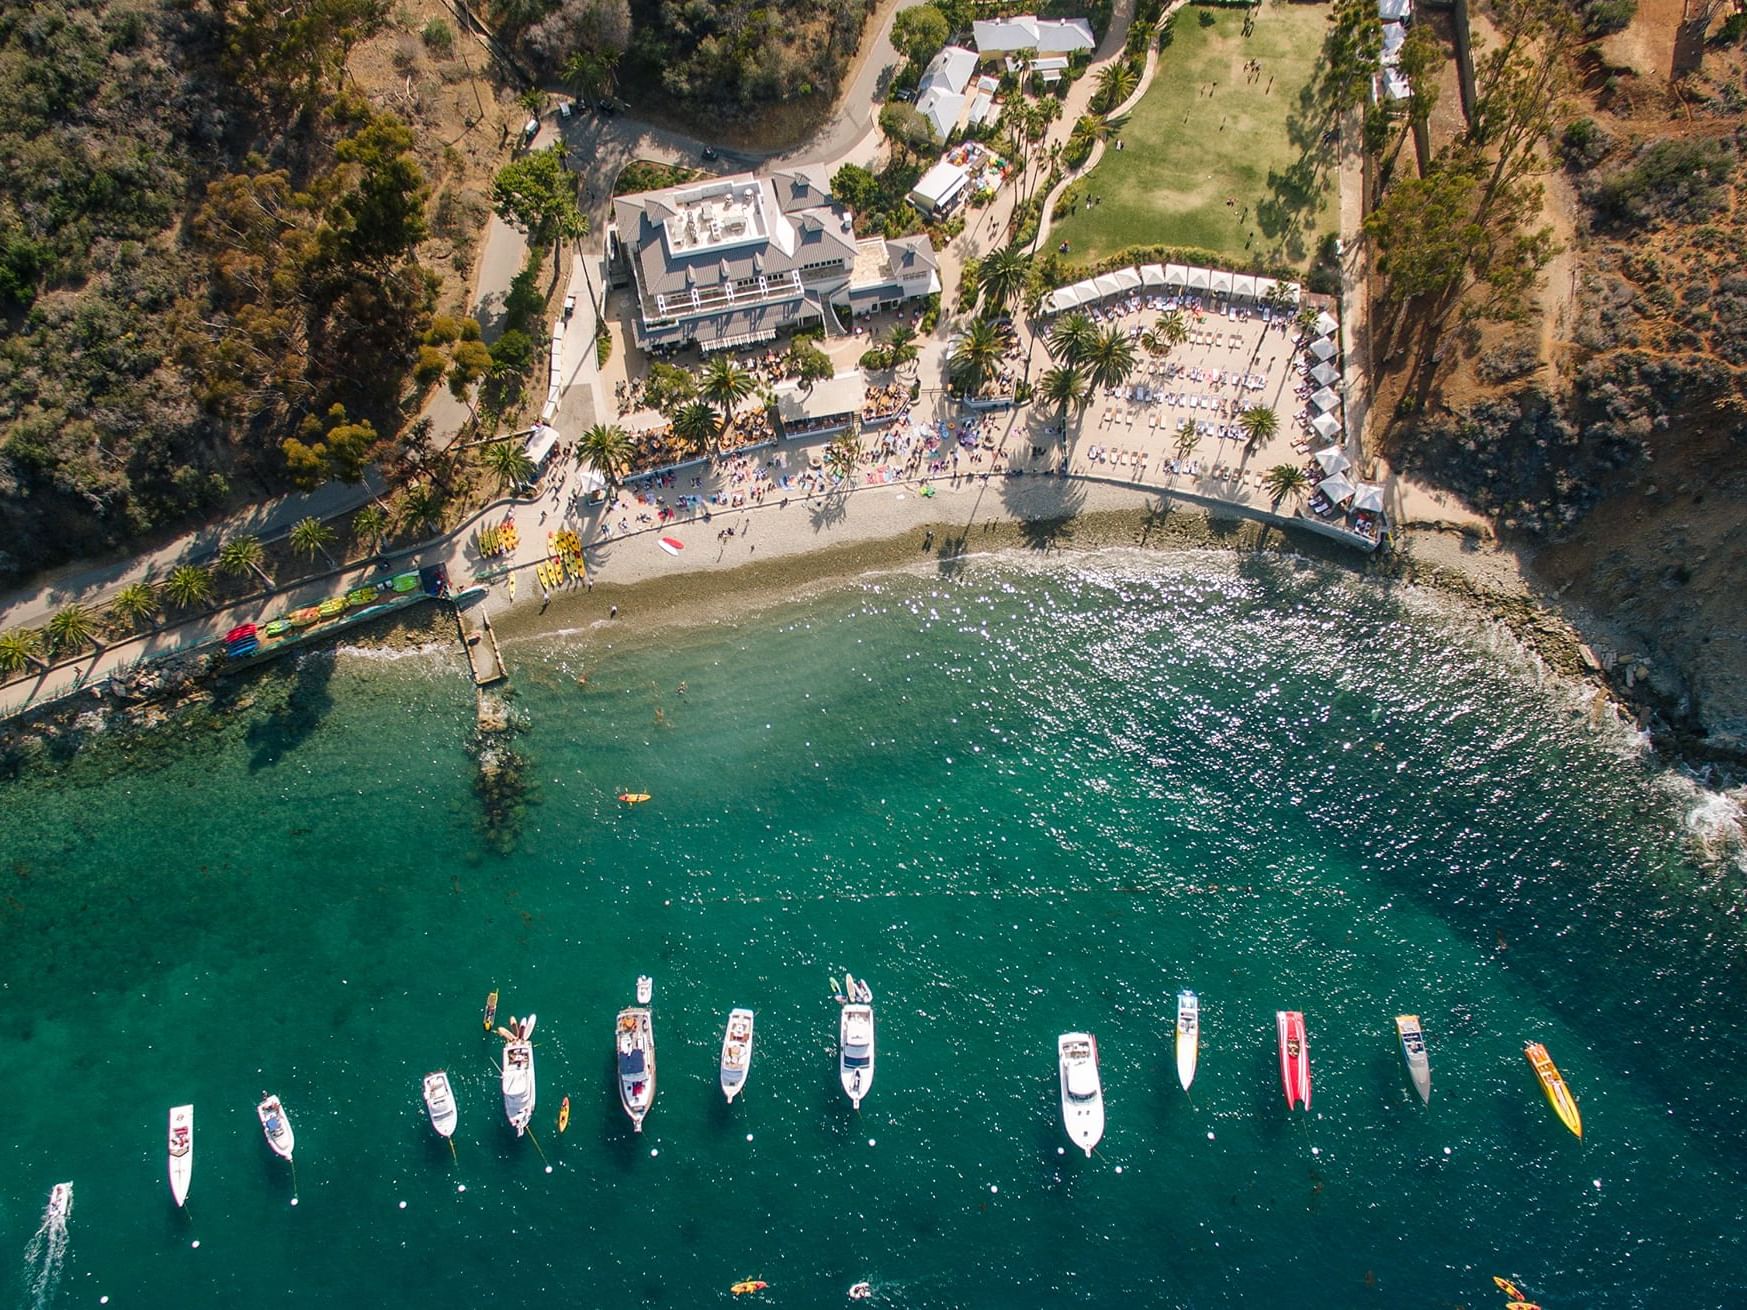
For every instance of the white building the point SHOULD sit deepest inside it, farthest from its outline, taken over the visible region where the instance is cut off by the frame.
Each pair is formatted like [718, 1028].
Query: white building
[940, 189]
[940, 95]
[1047, 36]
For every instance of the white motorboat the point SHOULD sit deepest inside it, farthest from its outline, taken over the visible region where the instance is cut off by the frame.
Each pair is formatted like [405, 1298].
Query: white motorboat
[1082, 1093]
[440, 1103]
[1413, 1051]
[855, 1049]
[60, 1204]
[276, 1124]
[645, 989]
[635, 1045]
[1188, 1036]
[518, 1073]
[181, 1151]
[736, 1053]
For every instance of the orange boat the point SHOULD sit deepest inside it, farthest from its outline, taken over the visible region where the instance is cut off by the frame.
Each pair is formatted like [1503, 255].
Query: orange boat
[1553, 1084]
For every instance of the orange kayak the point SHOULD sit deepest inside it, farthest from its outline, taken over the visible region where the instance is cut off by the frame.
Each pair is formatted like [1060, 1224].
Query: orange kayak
[1553, 1084]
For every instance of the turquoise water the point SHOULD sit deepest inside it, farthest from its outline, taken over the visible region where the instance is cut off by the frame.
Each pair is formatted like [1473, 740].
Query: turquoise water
[1019, 799]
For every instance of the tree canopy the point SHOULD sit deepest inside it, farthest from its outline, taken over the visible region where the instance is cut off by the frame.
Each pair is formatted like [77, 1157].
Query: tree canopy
[538, 195]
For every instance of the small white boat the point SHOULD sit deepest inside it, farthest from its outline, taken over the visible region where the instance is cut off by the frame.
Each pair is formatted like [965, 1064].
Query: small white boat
[181, 1151]
[645, 989]
[635, 1045]
[440, 1103]
[60, 1203]
[1413, 1051]
[736, 1053]
[855, 1049]
[855, 991]
[276, 1124]
[1082, 1092]
[518, 1073]
[1188, 1036]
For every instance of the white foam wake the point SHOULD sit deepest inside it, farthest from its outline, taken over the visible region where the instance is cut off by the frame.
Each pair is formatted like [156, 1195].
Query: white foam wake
[46, 1252]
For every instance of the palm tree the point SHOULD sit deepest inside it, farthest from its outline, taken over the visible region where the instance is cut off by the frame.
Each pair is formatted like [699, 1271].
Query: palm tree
[188, 586]
[1171, 329]
[1285, 480]
[1110, 358]
[842, 453]
[135, 603]
[976, 356]
[1187, 438]
[370, 526]
[608, 447]
[694, 423]
[19, 649]
[72, 628]
[242, 555]
[421, 507]
[509, 462]
[1070, 337]
[1002, 274]
[1115, 84]
[900, 345]
[1259, 424]
[1064, 386]
[725, 385]
[310, 535]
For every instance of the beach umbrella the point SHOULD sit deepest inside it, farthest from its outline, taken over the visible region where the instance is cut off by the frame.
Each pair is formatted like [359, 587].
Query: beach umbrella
[1322, 347]
[1325, 324]
[1325, 399]
[1153, 275]
[1244, 285]
[1333, 459]
[1107, 284]
[1199, 278]
[1336, 487]
[1325, 374]
[589, 480]
[1369, 497]
[1219, 282]
[1176, 275]
[1126, 278]
[1265, 287]
[1328, 427]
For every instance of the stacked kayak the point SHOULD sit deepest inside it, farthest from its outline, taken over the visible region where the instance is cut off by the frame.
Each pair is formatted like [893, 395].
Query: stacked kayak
[242, 641]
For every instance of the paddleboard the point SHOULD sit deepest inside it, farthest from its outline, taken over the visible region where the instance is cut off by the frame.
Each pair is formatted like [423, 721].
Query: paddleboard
[671, 546]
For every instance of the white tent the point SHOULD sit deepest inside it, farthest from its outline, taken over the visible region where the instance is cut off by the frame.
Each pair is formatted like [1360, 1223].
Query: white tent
[1176, 275]
[1199, 278]
[1220, 282]
[540, 443]
[1336, 487]
[1107, 284]
[1127, 278]
[1393, 11]
[1325, 374]
[1244, 285]
[1370, 497]
[1059, 299]
[1393, 37]
[1325, 399]
[1332, 458]
[1153, 275]
[1322, 348]
[1325, 324]
[1265, 287]
[589, 480]
[1086, 291]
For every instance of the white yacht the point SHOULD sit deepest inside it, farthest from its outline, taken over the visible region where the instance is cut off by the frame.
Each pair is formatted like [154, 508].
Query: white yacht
[518, 1073]
[276, 1125]
[181, 1151]
[1082, 1093]
[855, 1051]
[440, 1103]
[635, 1043]
[736, 1053]
[1188, 1036]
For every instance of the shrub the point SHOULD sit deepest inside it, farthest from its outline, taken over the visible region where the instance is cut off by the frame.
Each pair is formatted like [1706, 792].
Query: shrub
[439, 37]
[1601, 17]
[1583, 143]
[1679, 179]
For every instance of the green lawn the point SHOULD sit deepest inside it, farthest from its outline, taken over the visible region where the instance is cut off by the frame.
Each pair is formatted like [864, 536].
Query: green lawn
[1187, 151]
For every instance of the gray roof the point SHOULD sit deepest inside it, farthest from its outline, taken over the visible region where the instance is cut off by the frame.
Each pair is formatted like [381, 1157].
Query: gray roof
[907, 253]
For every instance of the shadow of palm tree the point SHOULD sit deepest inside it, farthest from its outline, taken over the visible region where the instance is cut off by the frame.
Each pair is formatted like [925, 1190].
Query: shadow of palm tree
[1046, 509]
[830, 511]
[306, 702]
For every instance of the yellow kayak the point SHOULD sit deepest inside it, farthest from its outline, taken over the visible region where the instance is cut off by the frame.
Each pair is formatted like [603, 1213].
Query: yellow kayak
[1553, 1084]
[633, 797]
[748, 1285]
[564, 1115]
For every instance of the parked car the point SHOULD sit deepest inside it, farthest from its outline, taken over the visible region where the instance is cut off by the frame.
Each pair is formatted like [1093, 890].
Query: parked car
[606, 106]
[530, 130]
[710, 152]
[569, 306]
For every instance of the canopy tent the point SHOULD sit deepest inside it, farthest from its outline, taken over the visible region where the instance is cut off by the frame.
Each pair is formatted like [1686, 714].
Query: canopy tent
[1325, 324]
[1369, 498]
[1393, 11]
[1153, 275]
[1107, 284]
[589, 480]
[540, 443]
[1394, 35]
[1322, 348]
[1325, 399]
[1059, 299]
[1336, 487]
[1324, 374]
[1127, 278]
[1220, 283]
[1176, 275]
[1199, 279]
[1328, 426]
[1333, 459]
[1244, 285]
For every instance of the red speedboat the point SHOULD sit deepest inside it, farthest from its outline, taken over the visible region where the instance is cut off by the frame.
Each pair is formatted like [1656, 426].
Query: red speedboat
[1294, 1058]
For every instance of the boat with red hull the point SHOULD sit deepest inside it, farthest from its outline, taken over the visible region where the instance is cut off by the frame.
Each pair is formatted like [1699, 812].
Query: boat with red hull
[1294, 1058]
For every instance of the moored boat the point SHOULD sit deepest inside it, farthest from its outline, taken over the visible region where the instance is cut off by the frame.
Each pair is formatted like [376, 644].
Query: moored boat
[736, 1052]
[855, 1048]
[517, 1078]
[276, 1126]
[1413, 1051]
[181, 1151]
[440, 1103]
[1294, 1057]
[1188, 1036]
[1082, 1092]
[635, 1047]
[1553, 1084]
[645, 989]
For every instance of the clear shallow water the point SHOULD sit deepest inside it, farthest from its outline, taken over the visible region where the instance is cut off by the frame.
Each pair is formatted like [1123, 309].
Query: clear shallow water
[1019, 800]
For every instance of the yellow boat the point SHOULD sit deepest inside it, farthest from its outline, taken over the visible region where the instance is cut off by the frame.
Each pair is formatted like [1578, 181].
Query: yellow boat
[748, 1285]
[1553, 1084]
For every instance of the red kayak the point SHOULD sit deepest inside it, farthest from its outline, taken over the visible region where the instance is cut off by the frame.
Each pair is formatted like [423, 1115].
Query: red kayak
[1294, 1058]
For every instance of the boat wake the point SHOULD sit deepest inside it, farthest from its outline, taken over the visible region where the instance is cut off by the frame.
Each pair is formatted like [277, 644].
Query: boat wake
[46, 1252]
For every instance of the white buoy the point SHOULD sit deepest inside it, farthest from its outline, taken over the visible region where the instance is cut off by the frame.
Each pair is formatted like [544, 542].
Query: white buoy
[1118, 1168]
[195, 1244]
[749, 1137]
[1210, 1137]
[403, 1205]
[103, 1300]
[993, 1190]
[654, 1151]
[870, 1141]
[548, 1168]
[1061, 1150]
[460, 1187]
[294, 1200]
[1598, 1184]
[1316, 1150]
[1446, 1150]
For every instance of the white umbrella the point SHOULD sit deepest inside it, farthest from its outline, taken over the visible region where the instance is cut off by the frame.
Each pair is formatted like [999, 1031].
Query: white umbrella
[1198, 279]
[1336, 487]
[1153, 274]
[1107, 284]
[1220, 283]
[1244, 285]
[1325, 324]
[1176, 275]
[1126, 278]
[1265, 287]
[1327, 426]
[1325, 374]
[1370, 497]
[1333, 459]
[1322, 347]
[1325, 399]
[589, 480]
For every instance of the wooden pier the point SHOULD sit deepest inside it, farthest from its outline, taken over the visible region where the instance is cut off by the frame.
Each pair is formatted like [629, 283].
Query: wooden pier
[480, 644]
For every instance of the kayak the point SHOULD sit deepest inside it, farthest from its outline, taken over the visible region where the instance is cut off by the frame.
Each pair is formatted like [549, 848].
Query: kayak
[748, 1285]
[564, 1114]
[1507, 1287]
[671, 546]
[633, 797]
[491, 1009]
[1553, 1084]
